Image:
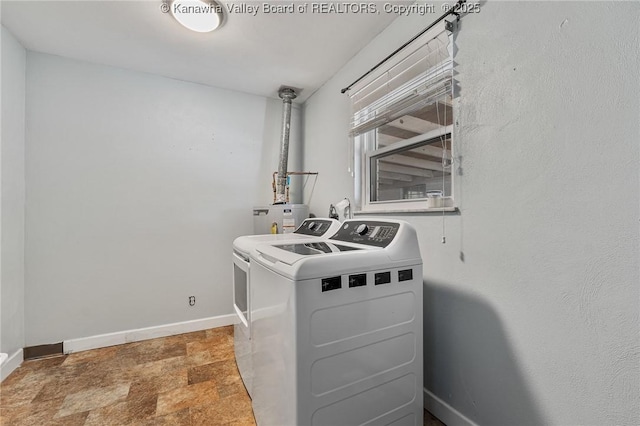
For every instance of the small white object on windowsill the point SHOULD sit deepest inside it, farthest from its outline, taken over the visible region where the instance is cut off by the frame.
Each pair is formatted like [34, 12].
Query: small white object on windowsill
[343, 208]
[435, 200]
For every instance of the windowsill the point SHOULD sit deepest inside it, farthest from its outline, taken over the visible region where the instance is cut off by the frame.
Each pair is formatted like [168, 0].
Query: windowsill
[403, 211]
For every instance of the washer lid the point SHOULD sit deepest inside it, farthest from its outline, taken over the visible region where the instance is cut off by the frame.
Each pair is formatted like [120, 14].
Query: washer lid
[293, 252]
[310, 230]
[246, 243]
[315, 248]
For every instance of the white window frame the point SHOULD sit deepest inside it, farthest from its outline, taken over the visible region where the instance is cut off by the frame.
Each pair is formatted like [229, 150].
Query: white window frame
[363, 174]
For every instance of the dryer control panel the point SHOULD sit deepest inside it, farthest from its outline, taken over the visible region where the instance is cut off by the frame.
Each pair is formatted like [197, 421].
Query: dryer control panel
[314, 227]
[370, 232]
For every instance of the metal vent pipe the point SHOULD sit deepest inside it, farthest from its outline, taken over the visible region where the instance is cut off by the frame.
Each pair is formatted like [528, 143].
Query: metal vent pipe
[287, 94]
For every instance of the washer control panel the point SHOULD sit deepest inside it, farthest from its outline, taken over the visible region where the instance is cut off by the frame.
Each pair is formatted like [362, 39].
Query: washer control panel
[370, 232]
[314, 227]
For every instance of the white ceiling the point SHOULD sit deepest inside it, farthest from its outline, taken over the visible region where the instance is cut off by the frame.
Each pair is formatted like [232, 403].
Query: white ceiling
[252, 54]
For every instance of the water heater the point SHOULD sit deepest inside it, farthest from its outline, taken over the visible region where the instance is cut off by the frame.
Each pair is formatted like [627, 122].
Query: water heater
[279, 218]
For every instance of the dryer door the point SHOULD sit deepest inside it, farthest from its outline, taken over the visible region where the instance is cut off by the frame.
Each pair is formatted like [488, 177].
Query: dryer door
[241, 291]
[242, 329]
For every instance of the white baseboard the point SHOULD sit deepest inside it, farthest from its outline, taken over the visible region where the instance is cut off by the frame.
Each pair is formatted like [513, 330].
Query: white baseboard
[443, 411]
[11, 363]
[128, 336]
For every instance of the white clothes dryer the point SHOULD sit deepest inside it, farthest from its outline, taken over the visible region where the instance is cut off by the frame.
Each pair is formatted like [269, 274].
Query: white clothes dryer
[337, 328]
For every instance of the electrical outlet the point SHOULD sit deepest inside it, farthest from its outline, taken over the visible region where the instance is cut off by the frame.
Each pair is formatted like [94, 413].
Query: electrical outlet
[192, 300]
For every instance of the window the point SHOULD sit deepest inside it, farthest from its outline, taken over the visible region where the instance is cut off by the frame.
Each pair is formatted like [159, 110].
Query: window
[401, 129]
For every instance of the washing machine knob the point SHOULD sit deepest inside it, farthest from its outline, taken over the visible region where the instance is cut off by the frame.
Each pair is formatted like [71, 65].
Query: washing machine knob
[362, 229]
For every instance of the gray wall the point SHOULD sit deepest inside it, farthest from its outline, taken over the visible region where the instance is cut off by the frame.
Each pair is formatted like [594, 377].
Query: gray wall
[136, 187]
[12, 333]
[532, 305]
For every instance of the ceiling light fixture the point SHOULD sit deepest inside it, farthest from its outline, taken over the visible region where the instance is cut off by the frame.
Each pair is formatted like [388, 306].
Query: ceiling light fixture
[201, 16]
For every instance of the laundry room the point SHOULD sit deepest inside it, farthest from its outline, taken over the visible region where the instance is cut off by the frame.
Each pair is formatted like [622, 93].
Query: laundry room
[320, 213]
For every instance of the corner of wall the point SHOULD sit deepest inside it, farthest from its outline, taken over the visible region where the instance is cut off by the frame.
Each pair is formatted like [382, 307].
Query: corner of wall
[12, 200]
[9, 363]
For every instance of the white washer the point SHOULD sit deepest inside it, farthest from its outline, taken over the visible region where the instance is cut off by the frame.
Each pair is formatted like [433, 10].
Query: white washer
[309, 230]
[337, 328]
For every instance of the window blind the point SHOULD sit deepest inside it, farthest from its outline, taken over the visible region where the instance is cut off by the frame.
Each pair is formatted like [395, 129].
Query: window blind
[418, 75]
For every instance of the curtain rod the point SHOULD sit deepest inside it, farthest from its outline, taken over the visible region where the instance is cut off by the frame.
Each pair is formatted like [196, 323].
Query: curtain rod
[452, 11]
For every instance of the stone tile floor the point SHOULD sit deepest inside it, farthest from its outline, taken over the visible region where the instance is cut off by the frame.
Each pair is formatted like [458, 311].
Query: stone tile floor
[188, 379]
